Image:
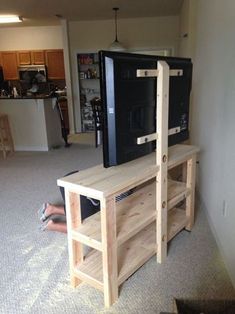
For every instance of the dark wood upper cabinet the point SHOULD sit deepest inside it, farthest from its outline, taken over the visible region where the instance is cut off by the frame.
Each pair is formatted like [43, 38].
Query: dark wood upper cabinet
[55, 64]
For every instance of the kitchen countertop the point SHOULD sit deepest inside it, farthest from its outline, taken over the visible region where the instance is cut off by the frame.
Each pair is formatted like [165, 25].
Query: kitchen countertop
[29, 97]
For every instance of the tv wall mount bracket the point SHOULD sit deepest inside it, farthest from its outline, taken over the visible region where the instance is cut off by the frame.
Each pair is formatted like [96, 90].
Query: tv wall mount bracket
[158, 73]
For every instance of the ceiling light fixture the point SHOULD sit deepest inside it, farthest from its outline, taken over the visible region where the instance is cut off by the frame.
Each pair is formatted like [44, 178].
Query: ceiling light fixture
[116, 45]
[10, 19]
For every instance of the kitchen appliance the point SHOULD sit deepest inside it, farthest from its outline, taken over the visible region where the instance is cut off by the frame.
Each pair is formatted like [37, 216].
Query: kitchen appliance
[33, 79]
[33, 73]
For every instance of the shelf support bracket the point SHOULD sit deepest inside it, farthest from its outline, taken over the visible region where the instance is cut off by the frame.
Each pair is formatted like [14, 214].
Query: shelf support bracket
[155, 72]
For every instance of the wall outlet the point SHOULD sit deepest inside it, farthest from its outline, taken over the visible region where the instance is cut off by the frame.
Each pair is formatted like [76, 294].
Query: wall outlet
[225, 209]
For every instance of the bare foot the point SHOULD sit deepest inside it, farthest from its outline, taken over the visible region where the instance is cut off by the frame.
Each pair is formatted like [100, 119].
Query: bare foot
[54, 210]
[56, 226]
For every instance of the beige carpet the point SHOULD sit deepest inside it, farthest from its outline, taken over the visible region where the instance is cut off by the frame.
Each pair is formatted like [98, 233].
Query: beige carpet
[34, 268]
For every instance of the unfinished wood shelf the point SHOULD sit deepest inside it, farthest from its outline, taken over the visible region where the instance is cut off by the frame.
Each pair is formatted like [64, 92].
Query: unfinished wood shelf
[135, 222]
[133, 214]
[125, 234]
[132, 254]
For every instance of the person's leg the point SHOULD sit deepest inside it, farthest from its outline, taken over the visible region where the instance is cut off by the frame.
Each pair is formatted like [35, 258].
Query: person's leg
[49, 209]
[54, 210]
[56, 226]
[88, 206]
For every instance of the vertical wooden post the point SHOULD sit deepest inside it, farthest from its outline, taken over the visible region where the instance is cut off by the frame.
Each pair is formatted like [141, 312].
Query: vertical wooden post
[109, 246]
[73, 217]
[162, 158]
[190, 183]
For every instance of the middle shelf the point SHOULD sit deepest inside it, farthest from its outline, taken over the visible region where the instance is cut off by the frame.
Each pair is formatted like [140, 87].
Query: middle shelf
[134, 213]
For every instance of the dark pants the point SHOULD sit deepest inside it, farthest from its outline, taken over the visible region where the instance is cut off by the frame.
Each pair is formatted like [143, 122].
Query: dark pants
[87, 206]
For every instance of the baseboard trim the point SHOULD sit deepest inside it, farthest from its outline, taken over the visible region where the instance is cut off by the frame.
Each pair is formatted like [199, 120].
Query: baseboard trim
[31, 148]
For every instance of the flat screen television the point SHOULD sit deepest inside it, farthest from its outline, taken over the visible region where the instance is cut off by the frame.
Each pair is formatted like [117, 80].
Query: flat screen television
[129, 104]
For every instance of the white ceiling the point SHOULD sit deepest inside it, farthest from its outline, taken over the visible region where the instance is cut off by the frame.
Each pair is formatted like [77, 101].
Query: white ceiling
[43, 12]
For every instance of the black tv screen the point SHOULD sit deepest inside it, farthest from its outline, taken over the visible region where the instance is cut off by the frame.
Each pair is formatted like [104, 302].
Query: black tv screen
[129, 104]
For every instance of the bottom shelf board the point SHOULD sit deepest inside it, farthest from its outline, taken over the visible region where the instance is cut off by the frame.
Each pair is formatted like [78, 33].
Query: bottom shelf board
[132, 254]
[176, 221]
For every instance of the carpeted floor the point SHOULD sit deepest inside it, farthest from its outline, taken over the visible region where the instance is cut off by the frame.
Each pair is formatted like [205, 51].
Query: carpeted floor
[34, 274]
[82, 138]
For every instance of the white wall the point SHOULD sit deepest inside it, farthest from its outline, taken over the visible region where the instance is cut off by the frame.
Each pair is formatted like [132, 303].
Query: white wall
[30, 38]
[213, 119]
[187, 28]
[139, 33]
[90, 36]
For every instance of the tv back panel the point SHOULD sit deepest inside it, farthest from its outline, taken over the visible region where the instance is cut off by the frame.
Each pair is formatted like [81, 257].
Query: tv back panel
[129, 104]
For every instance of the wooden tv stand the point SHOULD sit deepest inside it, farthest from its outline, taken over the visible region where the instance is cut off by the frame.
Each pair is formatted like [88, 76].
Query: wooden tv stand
[125, 234]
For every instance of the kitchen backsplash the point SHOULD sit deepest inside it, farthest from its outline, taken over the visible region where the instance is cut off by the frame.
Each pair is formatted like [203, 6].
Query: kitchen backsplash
[42, 88]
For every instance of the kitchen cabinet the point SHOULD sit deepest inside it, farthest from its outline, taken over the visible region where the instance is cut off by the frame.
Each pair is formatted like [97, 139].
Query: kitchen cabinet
[55, 64]
[54, 59]
[38, 57]
[27, 57]
[9, 65]
[89, 87]
[24, 57]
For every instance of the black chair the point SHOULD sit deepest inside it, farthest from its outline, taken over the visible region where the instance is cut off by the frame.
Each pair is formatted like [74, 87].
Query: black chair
[97, 109]
[64, 128]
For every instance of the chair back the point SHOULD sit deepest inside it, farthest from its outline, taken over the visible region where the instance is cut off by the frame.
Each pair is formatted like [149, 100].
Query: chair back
[97, 109]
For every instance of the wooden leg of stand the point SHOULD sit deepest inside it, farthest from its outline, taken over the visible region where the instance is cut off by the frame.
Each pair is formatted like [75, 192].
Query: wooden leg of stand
[109, 244]
[190, 183]
[73, 217]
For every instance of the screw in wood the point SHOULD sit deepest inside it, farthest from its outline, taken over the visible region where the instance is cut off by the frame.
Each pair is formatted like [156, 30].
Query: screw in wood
[164, 158]
[163, 204]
